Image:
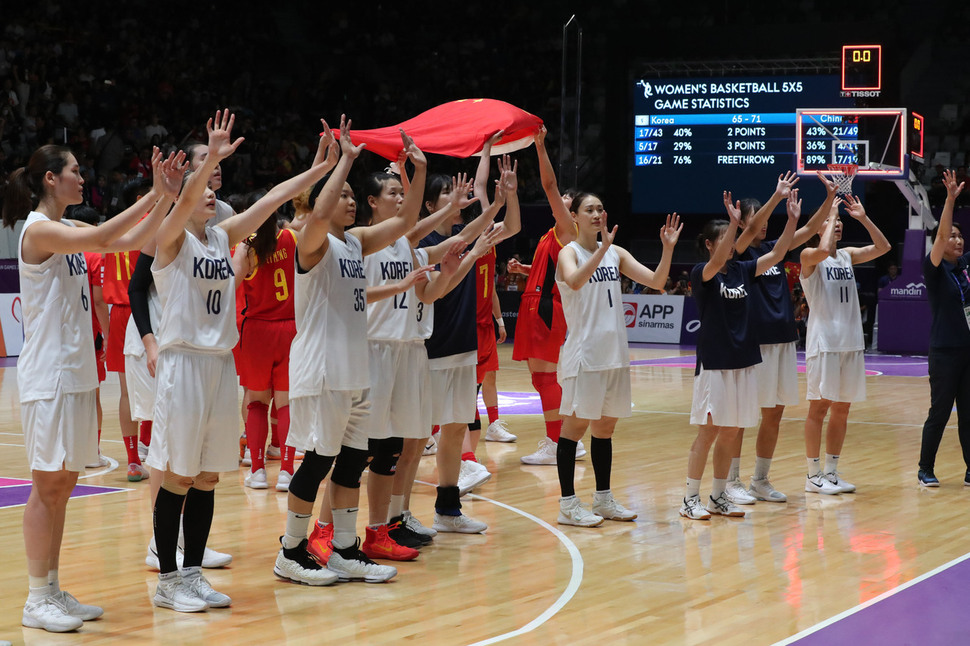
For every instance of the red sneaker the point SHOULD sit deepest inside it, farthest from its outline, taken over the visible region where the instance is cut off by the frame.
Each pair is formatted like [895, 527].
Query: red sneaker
[319, 543]
[378, 545]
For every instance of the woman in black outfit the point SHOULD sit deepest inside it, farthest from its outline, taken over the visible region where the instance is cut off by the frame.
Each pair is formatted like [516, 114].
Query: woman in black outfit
[948, 286]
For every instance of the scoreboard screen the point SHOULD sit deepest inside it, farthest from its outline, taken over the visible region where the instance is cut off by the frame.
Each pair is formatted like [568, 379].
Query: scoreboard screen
[695, 137]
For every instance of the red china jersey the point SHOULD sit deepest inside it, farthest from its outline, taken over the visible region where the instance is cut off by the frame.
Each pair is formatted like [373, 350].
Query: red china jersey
[268, 290]
[118, 268]
[484, 284]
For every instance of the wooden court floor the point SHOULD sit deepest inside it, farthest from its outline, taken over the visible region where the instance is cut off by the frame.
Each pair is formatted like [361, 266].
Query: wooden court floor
[659, 580]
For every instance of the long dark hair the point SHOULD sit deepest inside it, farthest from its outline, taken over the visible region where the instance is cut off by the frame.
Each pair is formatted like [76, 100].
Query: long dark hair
[432, 189]
[711, 231]
[373, 185]
[578, 198]
[25, 185]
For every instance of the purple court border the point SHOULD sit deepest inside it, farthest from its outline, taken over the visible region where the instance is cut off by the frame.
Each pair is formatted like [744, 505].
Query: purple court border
[14, 495]
[930, 611]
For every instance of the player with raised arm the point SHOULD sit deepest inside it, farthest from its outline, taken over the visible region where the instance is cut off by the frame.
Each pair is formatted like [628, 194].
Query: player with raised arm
[834, 362]
[541, 327]
[725, 382]
[595, 364]
[773, 320]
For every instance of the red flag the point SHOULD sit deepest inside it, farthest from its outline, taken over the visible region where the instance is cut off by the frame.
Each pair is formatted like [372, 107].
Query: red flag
[457, 129]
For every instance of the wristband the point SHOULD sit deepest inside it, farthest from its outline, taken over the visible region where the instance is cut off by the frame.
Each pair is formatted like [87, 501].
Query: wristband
[500, 321]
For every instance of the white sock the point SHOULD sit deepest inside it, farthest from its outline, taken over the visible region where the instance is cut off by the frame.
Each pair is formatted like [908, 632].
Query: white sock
[761, 466]
[344, 528]
[603, 495]
[53, 582]
[831, 463]
[296, 529]
[814, 466]
[397, 507]
[567, 499]
[735, 471]
[718, 485]
[693, 487]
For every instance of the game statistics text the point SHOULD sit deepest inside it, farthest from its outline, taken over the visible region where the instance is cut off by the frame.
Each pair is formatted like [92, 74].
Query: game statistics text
[739, 132]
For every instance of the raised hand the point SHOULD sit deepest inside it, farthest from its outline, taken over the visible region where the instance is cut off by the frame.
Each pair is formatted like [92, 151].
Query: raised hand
[412, 151]
[416, 276]
[830, 186]
[834, 211]
[607, 236]
[497, 137]
[327, 147]
[950, 182]
[452, 258]
[541, 133]
[785, 183]
[347, 147]
[854, 207]
[508, 171]
[220, 135]
[794, 205]
[461, 186]
[172, 171]
[733, 208]
[670, 232]
[486, 241]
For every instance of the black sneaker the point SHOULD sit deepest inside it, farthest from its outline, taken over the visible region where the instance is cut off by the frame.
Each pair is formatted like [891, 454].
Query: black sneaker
[966, 479]
[927, 479]
[398, 531]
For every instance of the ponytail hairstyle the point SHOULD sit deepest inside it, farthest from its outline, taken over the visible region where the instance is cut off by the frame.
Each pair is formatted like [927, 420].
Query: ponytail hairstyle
[263, 241]
[749, 206]
[432, 189]
[301, 203]
[373, 185]
[25, 186]
[711, 231]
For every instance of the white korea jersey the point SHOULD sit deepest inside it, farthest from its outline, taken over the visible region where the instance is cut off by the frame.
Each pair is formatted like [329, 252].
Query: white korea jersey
[197, 294]
[394, 318]
[58, 337]
[134, 346]
[594, 317]
[835, 324]
[330, 347]
[424, 312]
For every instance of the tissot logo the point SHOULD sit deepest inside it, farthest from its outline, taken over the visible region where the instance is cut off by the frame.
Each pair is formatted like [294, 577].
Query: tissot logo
[629, 313]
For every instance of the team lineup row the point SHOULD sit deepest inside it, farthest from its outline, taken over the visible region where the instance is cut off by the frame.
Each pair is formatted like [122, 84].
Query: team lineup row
[400, 290]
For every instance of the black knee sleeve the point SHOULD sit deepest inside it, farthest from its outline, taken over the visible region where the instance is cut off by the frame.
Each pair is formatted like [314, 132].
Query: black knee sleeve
[306, 481]
[384, 455]
[350, 464]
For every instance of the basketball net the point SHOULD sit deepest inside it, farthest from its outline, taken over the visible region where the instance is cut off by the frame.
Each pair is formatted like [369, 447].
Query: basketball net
[842, 175]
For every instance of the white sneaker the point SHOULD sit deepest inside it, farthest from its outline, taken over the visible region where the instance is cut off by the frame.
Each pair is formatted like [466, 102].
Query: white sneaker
[257, 479]
[818, 483]
[498, 431]
[192, 579]
[298, 566]
[45, 613]
[431, 447]
[415, 525]
[763, 490]
[836, 479]
[353, 565]
[211, 559]
[173, 593]
[460, 524]
[580, 450]
[102, 462]
[737, 494]
[544, 454]
[142, 451]
[283, 481]
[471, 475]
[573, 512]
[75, 608]
[247, 460]
[693, 509]
[723, 507]
[273, 453]
[604, 505]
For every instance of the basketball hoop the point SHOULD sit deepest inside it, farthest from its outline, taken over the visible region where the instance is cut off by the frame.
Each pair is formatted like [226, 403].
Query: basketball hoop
[842, 175]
